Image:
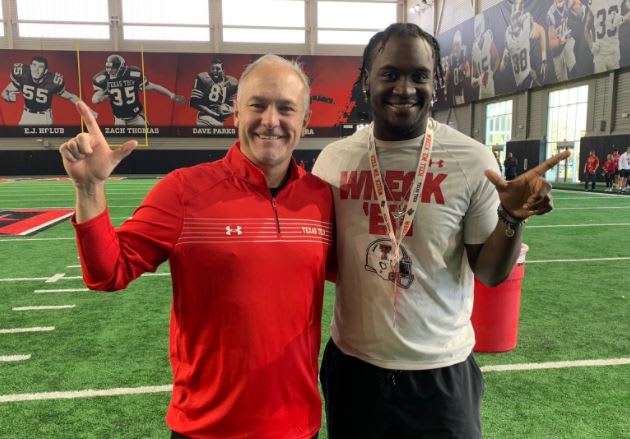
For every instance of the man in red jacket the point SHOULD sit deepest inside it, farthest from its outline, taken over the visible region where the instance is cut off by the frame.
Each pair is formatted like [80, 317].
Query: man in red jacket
[247, 239]
[590, 170]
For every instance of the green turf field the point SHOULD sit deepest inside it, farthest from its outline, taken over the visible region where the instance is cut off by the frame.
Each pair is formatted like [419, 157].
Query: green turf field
[575, 306]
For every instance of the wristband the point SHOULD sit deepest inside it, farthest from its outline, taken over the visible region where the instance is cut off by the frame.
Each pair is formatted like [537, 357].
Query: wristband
[512, 223]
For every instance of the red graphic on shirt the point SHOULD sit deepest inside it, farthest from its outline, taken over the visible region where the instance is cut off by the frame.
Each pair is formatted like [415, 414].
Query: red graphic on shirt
[357, 185]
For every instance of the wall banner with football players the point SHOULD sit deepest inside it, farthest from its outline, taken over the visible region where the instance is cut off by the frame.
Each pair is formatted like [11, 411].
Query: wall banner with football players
[162, 94]
[519, 44]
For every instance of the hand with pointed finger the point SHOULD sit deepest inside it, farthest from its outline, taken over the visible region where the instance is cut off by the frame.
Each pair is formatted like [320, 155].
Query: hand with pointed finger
[87, 158]
[529, 193]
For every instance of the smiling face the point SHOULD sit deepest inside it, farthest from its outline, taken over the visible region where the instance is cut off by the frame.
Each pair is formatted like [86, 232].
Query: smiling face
[270, 115]
[400, 87]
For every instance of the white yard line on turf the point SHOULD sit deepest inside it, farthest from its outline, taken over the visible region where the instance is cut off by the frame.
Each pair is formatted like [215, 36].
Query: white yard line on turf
[17, 191]
[61, 290]
[167, 388]
[11, 358]
[85, 393]
[31, 279]
[598, 195]
[55, 207]
[556, 365]
[42, 308]
[54, 278]
[592, 207]
[578, 225]
[63, 200]
[35, 239]
[21, 330]
[23, 279]
[545, 261]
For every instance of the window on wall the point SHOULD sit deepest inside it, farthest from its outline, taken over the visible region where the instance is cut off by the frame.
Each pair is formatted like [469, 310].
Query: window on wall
[264, 21]
[166, 20]
[1, 21]
[63, 19]
[499, 126]
[353, 22]
[566, 125]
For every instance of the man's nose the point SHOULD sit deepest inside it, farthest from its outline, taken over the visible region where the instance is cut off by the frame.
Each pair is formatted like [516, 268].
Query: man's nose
[404, 87]
[270, 117]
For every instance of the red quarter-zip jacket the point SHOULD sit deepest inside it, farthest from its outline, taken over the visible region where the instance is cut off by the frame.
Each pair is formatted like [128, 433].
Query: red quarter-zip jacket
[248, 274]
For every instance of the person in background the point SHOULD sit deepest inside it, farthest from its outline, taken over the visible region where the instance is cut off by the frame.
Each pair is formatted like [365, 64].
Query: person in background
[590, 170]
[248, 239]
[420, 208]
[609, 172]
[510, 164]
[616, 156]
[624, 170]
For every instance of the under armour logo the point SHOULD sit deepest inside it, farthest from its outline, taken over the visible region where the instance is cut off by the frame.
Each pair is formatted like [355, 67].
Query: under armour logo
[237, 230]
[440, 163]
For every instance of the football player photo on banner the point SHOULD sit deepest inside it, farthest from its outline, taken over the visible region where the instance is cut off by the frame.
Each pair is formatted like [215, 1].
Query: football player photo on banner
[39, 89]
[209, 82]
[520, 44]
[134, 94]
[128, 99]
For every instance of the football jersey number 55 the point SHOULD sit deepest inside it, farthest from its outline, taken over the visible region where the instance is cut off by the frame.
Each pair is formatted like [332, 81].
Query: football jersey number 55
[30, 93]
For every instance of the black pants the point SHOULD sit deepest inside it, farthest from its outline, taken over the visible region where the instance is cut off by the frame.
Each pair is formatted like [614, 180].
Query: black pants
[368, 402]
[592, 178]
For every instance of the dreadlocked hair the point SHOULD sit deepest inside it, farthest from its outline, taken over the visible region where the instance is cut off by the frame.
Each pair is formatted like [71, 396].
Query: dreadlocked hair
[379, 40]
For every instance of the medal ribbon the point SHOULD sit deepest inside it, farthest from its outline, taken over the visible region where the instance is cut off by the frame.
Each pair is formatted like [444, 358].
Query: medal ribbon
[396, 236]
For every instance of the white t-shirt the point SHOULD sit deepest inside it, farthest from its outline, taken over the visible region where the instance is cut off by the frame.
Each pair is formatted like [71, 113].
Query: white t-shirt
[458, 205]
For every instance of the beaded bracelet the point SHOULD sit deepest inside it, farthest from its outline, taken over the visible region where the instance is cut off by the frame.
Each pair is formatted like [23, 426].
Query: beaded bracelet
[511, 222]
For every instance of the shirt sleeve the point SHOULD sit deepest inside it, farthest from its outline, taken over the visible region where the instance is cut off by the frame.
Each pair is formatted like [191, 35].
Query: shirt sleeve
[481, 216]
[111, 258]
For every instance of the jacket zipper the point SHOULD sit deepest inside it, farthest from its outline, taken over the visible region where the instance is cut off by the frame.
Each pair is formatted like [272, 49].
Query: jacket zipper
[275, 211]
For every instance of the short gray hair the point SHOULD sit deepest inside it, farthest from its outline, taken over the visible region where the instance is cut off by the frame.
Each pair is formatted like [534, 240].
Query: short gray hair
[270, 58]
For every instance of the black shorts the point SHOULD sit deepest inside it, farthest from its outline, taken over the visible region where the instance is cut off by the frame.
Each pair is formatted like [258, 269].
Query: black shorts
[367, 402]
[624, 172]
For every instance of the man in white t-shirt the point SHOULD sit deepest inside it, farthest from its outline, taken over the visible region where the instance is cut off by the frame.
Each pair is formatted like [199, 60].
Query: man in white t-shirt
[416, 217]
[624, 170]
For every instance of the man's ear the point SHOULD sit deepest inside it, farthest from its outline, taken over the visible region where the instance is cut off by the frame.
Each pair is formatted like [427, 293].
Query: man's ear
[235, 113]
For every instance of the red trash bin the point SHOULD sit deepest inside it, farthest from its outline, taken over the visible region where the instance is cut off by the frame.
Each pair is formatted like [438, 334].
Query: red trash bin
[495, 311]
